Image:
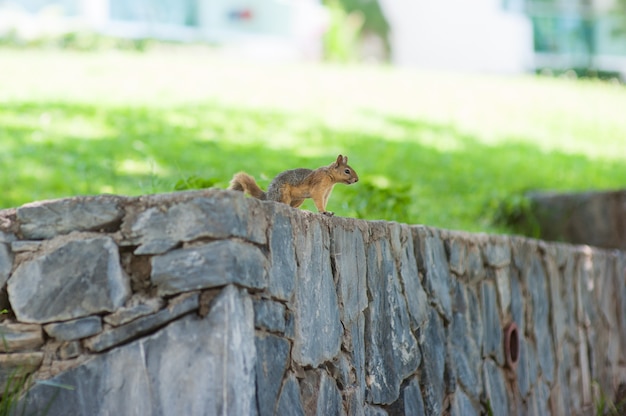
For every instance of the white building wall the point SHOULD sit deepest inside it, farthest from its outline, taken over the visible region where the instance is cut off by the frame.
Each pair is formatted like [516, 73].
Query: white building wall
[459, 35]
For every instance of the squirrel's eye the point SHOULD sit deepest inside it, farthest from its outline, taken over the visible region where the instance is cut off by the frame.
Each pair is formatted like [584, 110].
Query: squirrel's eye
[347, 171]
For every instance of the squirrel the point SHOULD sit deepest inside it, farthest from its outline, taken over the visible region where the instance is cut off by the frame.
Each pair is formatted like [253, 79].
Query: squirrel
[293, 186]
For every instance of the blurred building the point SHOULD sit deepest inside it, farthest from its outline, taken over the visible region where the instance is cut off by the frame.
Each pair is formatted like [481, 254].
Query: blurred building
[282, 27]
[509, 36]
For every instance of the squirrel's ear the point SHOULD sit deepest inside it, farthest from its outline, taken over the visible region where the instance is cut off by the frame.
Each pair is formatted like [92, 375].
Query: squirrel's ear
[339, 160]
[345, 160]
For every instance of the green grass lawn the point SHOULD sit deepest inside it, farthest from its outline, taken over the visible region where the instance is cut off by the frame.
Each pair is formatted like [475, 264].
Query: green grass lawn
[430, 148]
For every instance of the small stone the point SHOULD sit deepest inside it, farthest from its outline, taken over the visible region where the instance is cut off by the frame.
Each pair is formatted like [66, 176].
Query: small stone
[321, 395]
[6, 263]
[495, 389]
[269, 315]
[462, 405]
[437, 273]
[272, 361]
[41, 220]
[492, 336]
[475, 268]
[416, 299]
[498, 254]
[13, 367]
[69, 350]
[23, 246]
[141, 326]
[457, 250]
[503, 279]
[127, 314]
[76, 329]
[45, 289]
[375, 411]
[290, 401]
[211, 265]
[537, 286]
[20, 337]
[410, 401]
[6, 237]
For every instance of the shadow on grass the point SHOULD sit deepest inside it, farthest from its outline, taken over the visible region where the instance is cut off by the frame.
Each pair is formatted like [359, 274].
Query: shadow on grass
[412, 171]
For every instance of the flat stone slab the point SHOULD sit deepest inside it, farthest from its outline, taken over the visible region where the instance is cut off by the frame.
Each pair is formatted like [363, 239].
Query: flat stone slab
[41, 220]
[20, 337]
[144, 325]
[79, 278]
[76, 329]
[211, 265]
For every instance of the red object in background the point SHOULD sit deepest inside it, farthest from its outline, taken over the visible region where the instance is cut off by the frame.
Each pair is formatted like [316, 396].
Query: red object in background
[244, 14]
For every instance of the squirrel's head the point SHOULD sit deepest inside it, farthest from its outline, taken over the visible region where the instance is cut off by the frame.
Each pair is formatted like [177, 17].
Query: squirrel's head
[343, 172]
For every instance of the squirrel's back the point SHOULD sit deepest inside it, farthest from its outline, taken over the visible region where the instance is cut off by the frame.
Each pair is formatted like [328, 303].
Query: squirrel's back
[289, 177]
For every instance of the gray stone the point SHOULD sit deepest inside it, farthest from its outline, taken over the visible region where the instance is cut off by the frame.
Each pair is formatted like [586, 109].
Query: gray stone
[6, 237]
[290, 401]
[498, 254]
[320, 394]
[357, 352]
[375, 411]
[24, 246]
[503, 284]
[348, 251]
[14, 368]
[537, 286]
[462, 405]
[492, 337]
[76, 329]
[46, 288]
[221, 216]
[20, 337]
[127, 314]
[391, 350]
[410, 401]
[495, 388]
[272, 361]
[417, 301]
[6, 263]
[437, 274]
[211, 265]
[457, 255]
[517, 303]
[475, 268]
[193, 367]
[144, 325]
[269, 315]
[465, 355]
[42, 220]
[433, 365]
[475, 320]
[283, 268]
[522, 369]
[69, 350]
[317, 324]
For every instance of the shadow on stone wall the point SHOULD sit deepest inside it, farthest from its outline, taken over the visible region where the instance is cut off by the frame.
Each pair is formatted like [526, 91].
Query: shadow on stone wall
[211, 303]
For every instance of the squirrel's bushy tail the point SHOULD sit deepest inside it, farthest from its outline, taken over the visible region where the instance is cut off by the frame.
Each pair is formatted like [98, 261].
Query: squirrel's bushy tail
[245, 183]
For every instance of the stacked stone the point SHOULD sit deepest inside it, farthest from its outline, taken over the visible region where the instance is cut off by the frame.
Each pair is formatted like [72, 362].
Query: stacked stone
[207, 302]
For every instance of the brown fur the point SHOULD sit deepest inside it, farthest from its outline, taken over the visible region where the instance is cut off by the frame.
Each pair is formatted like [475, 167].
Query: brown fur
[292, 187]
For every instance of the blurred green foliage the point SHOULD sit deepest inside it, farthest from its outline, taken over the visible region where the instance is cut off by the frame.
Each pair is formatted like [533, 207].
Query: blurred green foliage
[438, 149]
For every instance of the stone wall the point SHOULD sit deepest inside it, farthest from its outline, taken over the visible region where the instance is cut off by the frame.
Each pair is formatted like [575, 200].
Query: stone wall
[211, 303]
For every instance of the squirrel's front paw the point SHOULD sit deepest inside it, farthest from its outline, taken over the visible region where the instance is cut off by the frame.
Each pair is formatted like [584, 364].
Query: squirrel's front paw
[328, 213]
